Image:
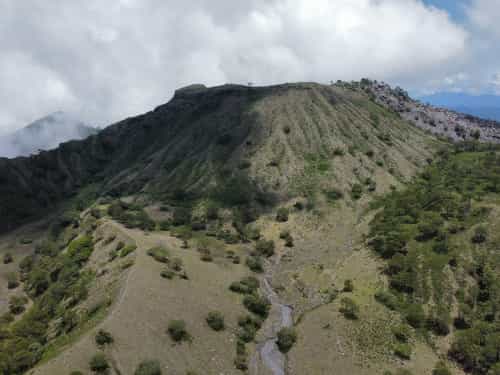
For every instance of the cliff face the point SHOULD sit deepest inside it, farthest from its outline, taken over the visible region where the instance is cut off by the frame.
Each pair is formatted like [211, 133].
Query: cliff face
[271, 137]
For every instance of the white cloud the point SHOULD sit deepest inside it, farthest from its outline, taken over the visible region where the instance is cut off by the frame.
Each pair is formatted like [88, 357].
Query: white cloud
[109, 61]
[484, 14]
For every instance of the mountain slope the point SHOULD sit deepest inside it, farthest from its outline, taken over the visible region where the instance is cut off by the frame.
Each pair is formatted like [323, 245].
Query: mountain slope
[44, 134]
[261, 138]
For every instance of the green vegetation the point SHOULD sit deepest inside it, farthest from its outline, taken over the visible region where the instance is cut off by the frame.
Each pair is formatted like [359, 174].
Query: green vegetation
[127, 250]
[130, 215]
[103, 338]
[282, 214]
[99, 364]
[12, 280]
[215, 320]
[160, 254]
[442, 369]
[148, 367]
[432, 235]
[247, 285]
[349, 308]
[257, 304]
[348, 286]
[177, 331]
[286, 338]
[255, 264]
[265, 248]
[7, 258]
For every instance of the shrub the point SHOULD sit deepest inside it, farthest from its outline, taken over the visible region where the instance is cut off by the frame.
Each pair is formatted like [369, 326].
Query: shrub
[282, 214]
[249, 325]
[215, 320]
[265, 248]
[349, 308]
[16, 304]
[177, 331]
[257, 304]
[99, 363]
[403, 350]
[255, 264]
[338, 151]
[480, 235]
[441, 369]
[181, 216]
[127, 250]
[205, 255]
[167, 274]
[12, 282]
[103, 338]
[148, 368]
[415, 315]
[356, 191]
[240, 362]
[160, 254]
[401, 332]
[387, 299]
[7, 258]
[348, 286]
[333, 195]
[120, 245]
[286, 338]
[247, 285]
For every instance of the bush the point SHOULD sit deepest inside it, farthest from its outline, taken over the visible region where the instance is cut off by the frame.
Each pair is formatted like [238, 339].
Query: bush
[282, 214]
[333, 195]
[103, 338]
[215, 320]
[255, 264]
[249, 325]
[348, 286]
[247, 285]
[167, 274]
[286, 338]
[480, 235]
[265, 248]
[12, 282]
[403, 350]
[160, 254]
[148, 368]
[7, 258]
[349, 308]
[441, 369]
[99, 363]
[387, 299]
[177, 331]
[257, 304]
[16, 304]
[181, 216]
[401, 332]
[127, 250]
[415, 315]
[356, 191]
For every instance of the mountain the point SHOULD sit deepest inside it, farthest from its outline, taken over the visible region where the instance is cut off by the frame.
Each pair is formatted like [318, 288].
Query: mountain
[288, 229]
[483, 106]
[44, 134]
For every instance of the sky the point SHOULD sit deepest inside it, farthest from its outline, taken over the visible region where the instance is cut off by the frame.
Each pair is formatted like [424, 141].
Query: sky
[105, 60]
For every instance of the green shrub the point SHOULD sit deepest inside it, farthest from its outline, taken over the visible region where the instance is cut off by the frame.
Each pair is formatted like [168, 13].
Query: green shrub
[286, 338]
[241, 362]
[249, 325]
[348, 286]
[148, 367]
[356, 191]
[257, 304]
[177, 331]
[255, 264]
[159, 253]
[120, 245]
[16, 304]
[215, 320]
[349, 308]
[388, 299]
[333, 195]
[7, 258]
[282, 215]
[167, 274]
[12, 281]
[480, 235]
[402, 350]
[99, 363]
[402, 332]
[127, 250]
[415, 315]
[441, 369]
[247, 285]
[338, 151]
[103, 338]
[265, 248]
[181, 216]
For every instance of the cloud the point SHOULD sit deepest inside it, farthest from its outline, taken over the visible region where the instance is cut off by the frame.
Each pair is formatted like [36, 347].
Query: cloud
[104, 61]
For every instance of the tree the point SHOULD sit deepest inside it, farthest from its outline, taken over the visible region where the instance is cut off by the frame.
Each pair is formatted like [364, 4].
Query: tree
[282, 214]
[99, 363]
[349, 308]
[286, 338]
[103, 338]
[348, 286]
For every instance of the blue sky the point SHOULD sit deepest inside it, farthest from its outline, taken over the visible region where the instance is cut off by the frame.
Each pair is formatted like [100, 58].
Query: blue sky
[454, 7]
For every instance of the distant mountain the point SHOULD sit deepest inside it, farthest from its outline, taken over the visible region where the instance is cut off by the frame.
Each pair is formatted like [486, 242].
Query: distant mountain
[44, 134]
[484, 106]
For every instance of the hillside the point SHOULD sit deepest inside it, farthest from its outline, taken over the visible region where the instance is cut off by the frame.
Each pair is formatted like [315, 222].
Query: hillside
[44, 134]
[261, 230]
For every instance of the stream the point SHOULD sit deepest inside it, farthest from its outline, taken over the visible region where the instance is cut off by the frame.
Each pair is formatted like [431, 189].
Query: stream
[280, 317]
